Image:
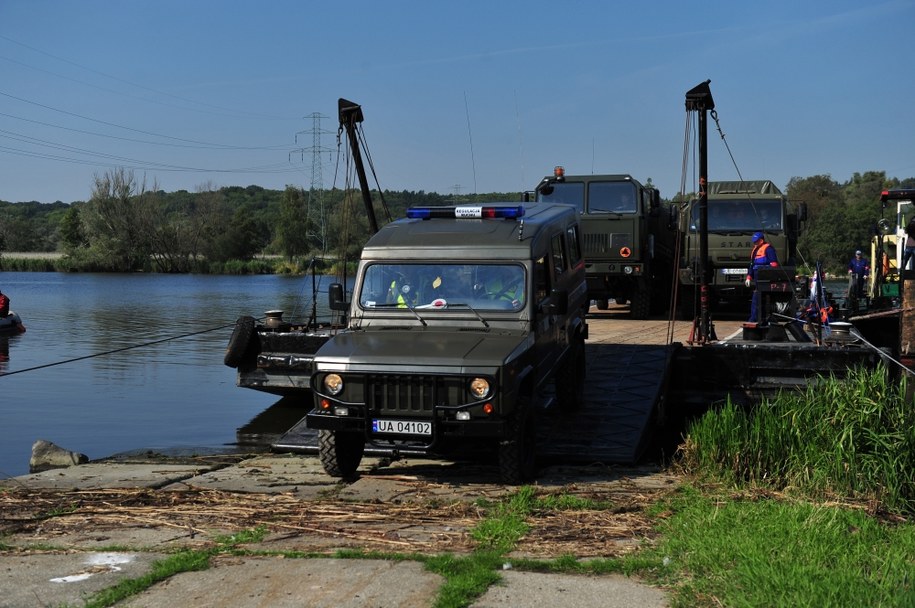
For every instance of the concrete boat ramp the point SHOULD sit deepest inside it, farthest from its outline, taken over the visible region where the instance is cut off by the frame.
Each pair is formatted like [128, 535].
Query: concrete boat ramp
[71, 533]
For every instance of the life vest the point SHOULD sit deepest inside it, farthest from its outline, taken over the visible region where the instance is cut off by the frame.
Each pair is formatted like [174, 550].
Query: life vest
[760, 255]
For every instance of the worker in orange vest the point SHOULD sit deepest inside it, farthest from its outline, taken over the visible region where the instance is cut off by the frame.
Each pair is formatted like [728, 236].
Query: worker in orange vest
[762, 255]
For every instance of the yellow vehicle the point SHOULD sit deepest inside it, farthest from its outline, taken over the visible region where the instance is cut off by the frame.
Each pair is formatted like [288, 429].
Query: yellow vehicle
[888, 244]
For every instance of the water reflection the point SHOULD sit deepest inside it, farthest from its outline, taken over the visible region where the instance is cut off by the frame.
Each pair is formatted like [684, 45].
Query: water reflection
[114, 363]
[4, 353]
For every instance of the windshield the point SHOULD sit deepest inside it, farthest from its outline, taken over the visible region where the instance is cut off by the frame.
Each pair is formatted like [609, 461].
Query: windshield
[603, 197]
[440, 285]
[611, 197]
[741, 215]
[572, 193]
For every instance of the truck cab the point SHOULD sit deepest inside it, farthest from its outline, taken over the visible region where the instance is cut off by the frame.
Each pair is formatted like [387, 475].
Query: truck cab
[627, 244]
[736, 210]
[463, 323]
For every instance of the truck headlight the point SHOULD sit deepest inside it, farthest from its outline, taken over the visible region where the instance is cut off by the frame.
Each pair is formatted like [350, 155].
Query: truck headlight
[333, 384]
[479, 388]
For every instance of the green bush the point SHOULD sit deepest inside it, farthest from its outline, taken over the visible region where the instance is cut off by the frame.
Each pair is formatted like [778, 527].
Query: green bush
[851, 437]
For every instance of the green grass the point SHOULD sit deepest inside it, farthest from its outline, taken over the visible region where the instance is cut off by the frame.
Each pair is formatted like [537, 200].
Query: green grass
[851, 438]
[718, 550]
[806, 502]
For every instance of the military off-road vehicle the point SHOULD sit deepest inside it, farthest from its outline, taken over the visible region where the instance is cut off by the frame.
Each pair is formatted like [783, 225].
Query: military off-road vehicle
[464, 323]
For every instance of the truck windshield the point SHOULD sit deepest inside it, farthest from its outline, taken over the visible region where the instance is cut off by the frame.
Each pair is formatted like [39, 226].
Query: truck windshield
[611, 197]
[438, 285]
[741, 215]
[570, 193]
[603, 197]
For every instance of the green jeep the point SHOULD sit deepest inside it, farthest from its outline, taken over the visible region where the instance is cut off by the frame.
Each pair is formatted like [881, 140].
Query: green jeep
[464, 323]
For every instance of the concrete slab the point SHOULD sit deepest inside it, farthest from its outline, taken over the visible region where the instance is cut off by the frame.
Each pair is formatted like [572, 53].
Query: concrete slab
[138, 536]
[107, 476]
[294, 474]
[557, 590]
[265, 582]
[41, 580]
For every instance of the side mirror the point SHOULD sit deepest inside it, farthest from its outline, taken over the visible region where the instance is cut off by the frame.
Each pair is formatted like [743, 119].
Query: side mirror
[558, 303]
[802, 212]
[336, 297]
[655, 198]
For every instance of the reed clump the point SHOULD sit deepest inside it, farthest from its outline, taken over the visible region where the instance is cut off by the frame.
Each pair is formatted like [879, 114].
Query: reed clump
[852, 437]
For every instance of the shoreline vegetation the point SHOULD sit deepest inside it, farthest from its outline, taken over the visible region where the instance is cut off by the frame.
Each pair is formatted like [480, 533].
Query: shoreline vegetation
[262, 264]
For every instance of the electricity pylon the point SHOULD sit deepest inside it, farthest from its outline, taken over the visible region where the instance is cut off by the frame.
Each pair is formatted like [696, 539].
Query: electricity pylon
[314, 205]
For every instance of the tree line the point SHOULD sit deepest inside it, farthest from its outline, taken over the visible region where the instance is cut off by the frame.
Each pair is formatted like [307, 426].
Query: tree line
[127, 227]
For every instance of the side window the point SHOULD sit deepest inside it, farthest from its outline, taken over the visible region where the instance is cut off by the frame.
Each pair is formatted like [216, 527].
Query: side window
[574, 244]
[541, 280]
[558, 253]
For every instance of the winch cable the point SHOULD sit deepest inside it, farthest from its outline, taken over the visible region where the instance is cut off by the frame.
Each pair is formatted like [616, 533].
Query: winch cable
[117, 350]
[678, 239]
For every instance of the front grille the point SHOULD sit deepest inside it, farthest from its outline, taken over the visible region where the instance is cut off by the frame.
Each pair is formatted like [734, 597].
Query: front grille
[411, 394]
[606, 243]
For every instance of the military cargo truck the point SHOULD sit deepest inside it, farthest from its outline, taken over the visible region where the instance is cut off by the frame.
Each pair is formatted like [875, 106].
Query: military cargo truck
[736, 210]
[628, 246]
[464, 323]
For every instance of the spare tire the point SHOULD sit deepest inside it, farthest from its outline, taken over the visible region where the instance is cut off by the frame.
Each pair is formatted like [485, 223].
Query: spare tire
[239, 341]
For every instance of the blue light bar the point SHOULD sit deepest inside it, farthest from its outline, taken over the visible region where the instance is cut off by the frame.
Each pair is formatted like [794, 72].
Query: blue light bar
[466, 212]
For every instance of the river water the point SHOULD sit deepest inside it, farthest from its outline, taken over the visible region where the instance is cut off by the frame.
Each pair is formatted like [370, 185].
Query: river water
[112, 363]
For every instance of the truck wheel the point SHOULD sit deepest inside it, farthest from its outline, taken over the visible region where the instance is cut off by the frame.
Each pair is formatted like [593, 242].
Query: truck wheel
[570, 378]
[518, 451]
[602, 304]
[340, 452]
[239, 341]
[687, 304]
[640, 307]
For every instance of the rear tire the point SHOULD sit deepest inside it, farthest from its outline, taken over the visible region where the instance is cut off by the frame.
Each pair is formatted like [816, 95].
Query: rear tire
[570, 378]
[518, 451]
[340, 452]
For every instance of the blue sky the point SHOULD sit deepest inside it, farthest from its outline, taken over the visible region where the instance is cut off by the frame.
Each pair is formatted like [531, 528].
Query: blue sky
[458, 97]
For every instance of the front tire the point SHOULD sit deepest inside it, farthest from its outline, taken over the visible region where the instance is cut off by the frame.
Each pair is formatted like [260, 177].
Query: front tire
[518, 451]
[340, 452]
[570, 378]
[640, 306]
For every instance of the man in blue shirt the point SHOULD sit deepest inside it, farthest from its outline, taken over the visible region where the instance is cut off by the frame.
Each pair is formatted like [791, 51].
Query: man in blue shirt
[858, 267]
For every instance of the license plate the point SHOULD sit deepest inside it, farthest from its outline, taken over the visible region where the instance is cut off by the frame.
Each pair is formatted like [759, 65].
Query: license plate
[402, 427]
[740, 271]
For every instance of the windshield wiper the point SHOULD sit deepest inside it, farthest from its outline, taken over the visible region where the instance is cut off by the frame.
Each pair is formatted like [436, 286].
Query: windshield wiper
[473, 310]
[401, 305]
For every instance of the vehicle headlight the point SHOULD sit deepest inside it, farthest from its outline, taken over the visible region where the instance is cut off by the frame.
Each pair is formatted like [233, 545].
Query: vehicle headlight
[479, 388]
[333, 383]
